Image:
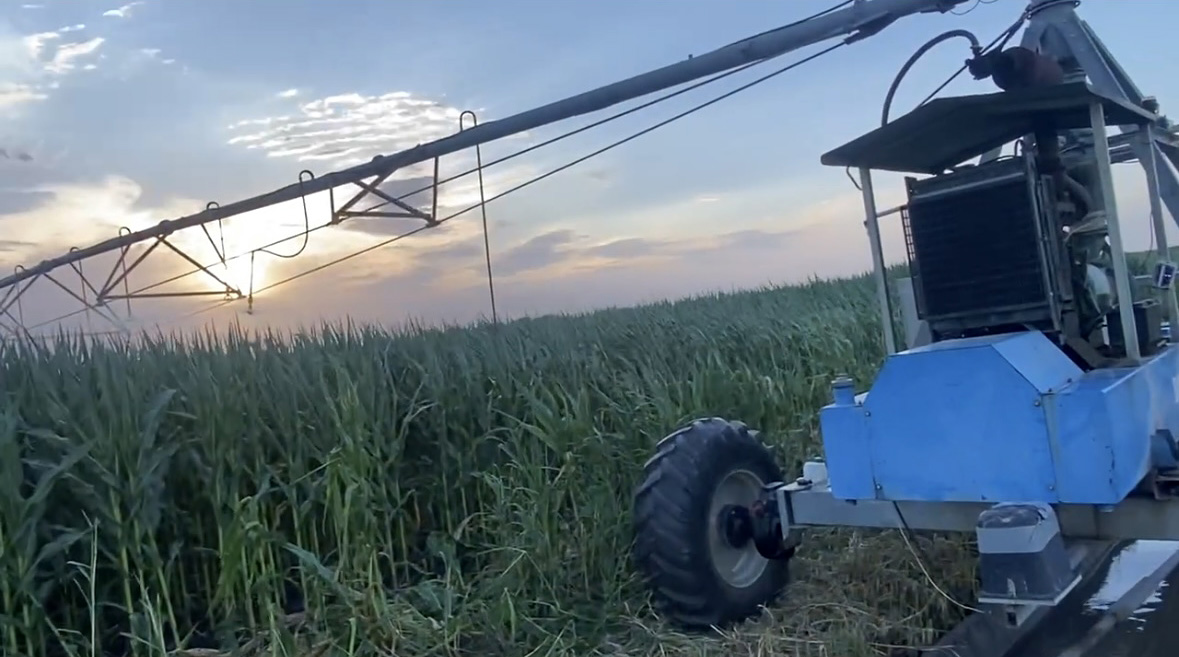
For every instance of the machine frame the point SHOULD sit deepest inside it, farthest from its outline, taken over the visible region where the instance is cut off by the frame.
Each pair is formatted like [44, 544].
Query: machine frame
[1090, 455]
[1053, 29]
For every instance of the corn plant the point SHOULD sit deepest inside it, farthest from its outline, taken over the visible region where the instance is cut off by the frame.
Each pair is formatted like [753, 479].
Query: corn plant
[460, 491]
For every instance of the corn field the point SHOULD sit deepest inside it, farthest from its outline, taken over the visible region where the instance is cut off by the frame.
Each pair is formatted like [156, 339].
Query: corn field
[430, 492]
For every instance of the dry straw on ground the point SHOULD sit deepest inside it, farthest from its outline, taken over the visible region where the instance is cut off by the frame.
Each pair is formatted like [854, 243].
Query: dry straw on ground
[463, 492]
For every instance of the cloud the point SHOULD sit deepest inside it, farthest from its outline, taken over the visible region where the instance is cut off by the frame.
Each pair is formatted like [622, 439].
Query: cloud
[559, 270]
[15, 93]
[65, 59]
[74, 214]
[347, 129]
[562, 252]
[46, 50]
[36, 43]
[19, 156]
[535, 253]
[7, 246]
[124, 11]
[14, 201]
[33, 65]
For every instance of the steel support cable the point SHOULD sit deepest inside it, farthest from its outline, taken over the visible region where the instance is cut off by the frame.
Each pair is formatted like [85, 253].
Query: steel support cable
[818, 14]
[613, 117]
[306, 233]
[641, 106]
[516, 188]
[567, 165]
[584, 128]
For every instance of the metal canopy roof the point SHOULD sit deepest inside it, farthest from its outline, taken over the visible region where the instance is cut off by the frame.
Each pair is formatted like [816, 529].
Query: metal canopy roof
[948, 131]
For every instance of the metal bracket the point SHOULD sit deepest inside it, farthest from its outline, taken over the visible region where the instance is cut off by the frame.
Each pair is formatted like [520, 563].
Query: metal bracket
[372, 188]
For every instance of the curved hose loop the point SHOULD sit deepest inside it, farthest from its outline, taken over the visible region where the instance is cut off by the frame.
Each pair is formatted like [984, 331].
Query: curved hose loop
[483, 210]
[975, 49]
[209, 207]
[306, 223]
[20, 308]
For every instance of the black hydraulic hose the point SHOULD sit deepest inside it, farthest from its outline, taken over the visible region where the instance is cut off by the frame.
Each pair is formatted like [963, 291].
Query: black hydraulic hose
[926, 47]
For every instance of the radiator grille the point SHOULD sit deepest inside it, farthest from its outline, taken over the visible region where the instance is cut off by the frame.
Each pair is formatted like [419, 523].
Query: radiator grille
[975, 251]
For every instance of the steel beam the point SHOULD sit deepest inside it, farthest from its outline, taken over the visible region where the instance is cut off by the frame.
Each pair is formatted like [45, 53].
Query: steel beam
[1137, 518]
[860, 20]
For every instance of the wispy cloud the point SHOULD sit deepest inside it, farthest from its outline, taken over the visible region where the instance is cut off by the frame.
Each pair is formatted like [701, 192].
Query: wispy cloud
[65, 59]
[36, 43]
[124, 11]
[349, 128]
[19, 156]
[47, 50]
[289, 93]
[78, 213]
[14, 93]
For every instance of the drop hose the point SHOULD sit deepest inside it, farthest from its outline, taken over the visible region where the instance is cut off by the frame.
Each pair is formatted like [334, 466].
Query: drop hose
[975, 49]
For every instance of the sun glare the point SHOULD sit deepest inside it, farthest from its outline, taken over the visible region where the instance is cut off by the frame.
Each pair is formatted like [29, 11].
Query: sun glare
[239, 274]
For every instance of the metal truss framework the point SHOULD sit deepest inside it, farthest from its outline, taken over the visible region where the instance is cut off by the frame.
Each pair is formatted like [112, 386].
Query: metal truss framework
[98, 297]
[851, 21]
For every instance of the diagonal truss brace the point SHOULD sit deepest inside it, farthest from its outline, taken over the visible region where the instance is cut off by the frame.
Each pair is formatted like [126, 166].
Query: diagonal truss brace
[1054, 28]
[95, 298]
[373, 189]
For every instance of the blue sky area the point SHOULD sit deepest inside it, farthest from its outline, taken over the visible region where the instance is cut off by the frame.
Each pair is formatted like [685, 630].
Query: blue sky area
[125, 115]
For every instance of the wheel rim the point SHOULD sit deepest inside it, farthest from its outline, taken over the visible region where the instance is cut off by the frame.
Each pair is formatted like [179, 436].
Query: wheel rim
[740, 566]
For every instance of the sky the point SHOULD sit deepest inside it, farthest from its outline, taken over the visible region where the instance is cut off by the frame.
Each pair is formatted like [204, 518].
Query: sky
[118, 116]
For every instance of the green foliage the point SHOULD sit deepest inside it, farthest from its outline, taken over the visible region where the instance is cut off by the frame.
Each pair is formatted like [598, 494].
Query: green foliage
[454, 492]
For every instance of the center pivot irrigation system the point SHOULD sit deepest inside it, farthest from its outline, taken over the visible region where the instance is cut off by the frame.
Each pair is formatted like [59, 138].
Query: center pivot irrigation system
[1037, 403]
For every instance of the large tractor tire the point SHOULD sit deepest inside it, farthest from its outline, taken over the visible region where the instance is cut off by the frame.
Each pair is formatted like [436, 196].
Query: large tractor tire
[693, 544]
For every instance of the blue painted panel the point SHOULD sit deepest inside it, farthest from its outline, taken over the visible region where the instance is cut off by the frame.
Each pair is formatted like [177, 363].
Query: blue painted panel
[1001, 418]
[963, 422]
[845, 444]
[1105, 425]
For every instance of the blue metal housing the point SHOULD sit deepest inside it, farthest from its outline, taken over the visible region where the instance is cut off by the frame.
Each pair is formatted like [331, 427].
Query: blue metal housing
[1002, 418]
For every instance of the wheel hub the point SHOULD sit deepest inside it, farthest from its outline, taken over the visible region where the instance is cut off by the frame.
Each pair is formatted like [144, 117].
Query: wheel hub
[737, 525]
[734, 554]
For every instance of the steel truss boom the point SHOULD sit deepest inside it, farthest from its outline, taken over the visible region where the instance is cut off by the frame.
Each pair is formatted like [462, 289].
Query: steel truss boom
[861, 19]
